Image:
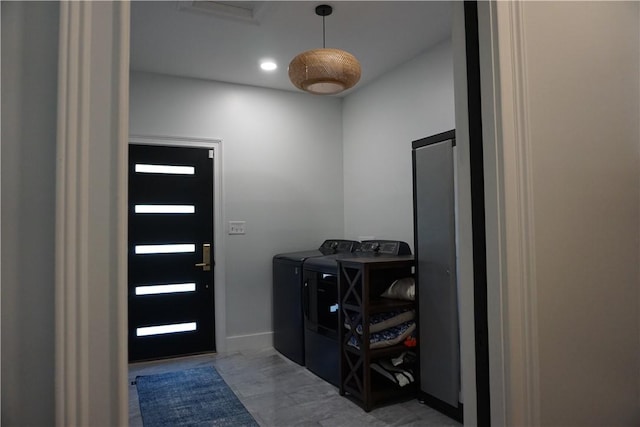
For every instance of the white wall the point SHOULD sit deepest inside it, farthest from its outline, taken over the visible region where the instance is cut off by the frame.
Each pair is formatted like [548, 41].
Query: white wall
[282, 174]
[583, 74]
[570, 87]
[380, 121]
[29, 88]
[283, 168]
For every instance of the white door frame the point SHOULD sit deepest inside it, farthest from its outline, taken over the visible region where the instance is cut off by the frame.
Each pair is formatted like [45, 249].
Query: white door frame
[463, 221]
[511, 281]
[511, 285]
[91, 216]
[219, 288]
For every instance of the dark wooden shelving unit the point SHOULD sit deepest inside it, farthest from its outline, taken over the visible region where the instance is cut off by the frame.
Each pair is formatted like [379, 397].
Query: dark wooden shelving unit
[360, 282]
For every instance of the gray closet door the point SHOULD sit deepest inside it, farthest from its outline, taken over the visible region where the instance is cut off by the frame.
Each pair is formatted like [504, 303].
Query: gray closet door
[436, 271]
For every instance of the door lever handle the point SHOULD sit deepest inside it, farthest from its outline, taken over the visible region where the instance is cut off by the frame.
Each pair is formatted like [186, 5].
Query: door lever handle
[206, 257]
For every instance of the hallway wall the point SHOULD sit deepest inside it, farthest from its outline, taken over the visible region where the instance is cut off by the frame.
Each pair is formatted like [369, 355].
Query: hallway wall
[28, 151]
[568, 108]
[583, 71]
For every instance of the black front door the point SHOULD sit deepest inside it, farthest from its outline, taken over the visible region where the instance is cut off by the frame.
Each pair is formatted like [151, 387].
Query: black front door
[171, 309]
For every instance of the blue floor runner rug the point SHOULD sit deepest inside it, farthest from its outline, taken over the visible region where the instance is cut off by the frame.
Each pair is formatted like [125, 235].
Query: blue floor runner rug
[193, 397]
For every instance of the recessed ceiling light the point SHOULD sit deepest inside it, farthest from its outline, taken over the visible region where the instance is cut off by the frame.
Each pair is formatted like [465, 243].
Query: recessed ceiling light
[268, 65]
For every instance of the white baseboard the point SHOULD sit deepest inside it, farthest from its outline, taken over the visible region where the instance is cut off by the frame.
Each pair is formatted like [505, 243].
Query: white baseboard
[249, 342]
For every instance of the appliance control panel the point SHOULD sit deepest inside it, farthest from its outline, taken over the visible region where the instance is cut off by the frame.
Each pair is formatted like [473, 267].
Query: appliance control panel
[339, 246]
[384, 247]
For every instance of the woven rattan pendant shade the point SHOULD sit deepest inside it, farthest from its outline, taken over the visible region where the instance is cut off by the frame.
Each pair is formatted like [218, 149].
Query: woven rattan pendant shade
[324, 71]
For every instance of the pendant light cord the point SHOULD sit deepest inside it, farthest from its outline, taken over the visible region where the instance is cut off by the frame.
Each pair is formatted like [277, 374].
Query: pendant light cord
[324, 10]
[323, 38]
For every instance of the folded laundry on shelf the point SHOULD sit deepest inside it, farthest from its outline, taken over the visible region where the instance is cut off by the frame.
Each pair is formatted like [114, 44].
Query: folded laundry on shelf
[386, 338]
[382, 321]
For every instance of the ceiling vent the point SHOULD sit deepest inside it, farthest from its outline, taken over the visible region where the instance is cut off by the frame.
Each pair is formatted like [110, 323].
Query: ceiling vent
[247, 11]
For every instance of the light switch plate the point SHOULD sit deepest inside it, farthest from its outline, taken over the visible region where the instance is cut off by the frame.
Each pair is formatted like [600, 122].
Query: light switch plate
[237, 227]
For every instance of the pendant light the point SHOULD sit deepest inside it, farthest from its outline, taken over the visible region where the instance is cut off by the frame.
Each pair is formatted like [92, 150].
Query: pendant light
[324, 71]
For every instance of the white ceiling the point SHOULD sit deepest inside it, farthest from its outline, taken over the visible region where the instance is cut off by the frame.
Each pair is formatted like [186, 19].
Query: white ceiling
[171, 38]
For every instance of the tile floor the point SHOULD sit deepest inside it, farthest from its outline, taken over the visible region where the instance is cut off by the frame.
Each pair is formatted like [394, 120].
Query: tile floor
[280, 393]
